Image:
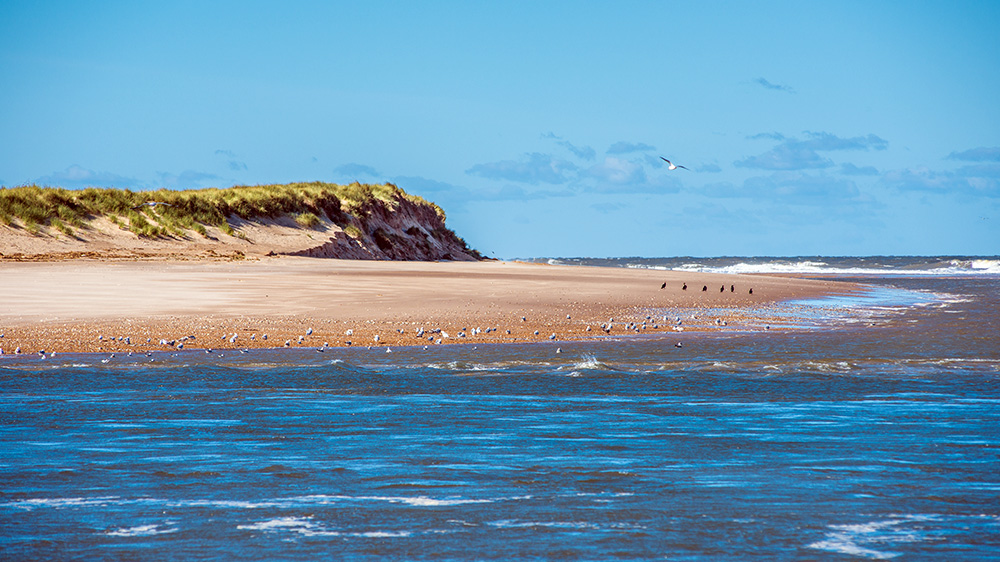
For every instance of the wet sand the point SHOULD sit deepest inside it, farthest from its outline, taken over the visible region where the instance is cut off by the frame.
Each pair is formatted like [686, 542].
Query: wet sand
[87, 305]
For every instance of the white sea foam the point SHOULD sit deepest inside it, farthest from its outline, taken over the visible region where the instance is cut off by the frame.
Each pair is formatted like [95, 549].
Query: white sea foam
[844, 545]
[300, 525]
[471, 367]
[416, 501]
[383, 534]
[508, 524]
[955, 267]
[143, 530]
[33, 503]
[287, 523]
[589, 362]
[232, 504]
[860, 538]
[424, 501]
[306, 527]
[566, 525]
[805, 266]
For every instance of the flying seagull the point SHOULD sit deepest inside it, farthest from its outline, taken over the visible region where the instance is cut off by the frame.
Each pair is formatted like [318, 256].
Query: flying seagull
[671, 165]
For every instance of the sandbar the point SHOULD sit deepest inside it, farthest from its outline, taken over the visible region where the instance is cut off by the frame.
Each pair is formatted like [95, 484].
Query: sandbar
[86, 305]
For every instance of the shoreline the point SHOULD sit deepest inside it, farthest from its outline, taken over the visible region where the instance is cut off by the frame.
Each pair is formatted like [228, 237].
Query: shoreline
[85, 306]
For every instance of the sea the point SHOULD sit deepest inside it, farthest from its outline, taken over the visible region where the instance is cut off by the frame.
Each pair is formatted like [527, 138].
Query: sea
[867, 430]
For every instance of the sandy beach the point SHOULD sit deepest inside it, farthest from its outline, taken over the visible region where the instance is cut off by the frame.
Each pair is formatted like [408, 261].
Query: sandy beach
[118, 306]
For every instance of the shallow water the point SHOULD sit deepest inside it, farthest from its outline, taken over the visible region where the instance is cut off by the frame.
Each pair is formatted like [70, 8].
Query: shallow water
[872, 434]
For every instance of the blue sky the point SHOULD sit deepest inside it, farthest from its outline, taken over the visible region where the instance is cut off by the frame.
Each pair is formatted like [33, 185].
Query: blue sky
[835, 128]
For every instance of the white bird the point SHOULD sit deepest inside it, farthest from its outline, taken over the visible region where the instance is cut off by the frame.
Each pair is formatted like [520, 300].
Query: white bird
[671, 165]
[151, 204]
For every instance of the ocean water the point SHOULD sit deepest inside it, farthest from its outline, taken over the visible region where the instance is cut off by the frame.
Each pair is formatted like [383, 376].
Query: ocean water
[814, 266]
[870, 431]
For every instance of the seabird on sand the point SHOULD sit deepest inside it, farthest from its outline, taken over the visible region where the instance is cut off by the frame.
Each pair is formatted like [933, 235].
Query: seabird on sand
[671, 165]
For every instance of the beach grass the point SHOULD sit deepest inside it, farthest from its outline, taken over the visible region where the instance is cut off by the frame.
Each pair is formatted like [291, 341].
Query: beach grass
[307, 220]
[164, 213]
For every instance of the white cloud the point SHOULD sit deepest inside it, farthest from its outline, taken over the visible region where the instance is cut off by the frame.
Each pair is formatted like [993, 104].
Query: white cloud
[451, 196]
[786, 156]
[534, 168]
[771, 136]
[234, 162]
[978, 180]
[828, 141]
[981, 154]
[354, 171]
[623, 147]
[849, 169]
[582, 152]
[75, 177]
[618, 171]
[795, 154]
[778, 87]
[793, 187]
[188, 179]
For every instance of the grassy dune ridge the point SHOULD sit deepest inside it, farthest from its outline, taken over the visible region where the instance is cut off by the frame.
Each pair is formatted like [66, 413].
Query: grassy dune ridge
[32, 206]
[180, 215]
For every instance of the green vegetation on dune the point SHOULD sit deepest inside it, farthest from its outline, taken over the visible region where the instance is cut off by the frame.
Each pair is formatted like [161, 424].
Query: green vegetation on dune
[380, 221]
[163, 213]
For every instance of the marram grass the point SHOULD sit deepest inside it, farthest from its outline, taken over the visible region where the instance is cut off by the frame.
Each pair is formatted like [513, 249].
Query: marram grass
[163, 213]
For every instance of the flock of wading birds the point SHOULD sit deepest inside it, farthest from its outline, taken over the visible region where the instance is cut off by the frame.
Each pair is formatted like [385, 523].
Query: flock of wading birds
[434, 336]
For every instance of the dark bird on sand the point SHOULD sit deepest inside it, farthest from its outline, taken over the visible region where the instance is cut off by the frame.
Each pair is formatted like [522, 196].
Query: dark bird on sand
[664, 285]
[704, 288]
[671, 165]
[685, 287]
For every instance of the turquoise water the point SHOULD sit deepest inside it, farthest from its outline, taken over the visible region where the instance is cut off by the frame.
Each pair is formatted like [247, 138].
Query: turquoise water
[849, 440]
